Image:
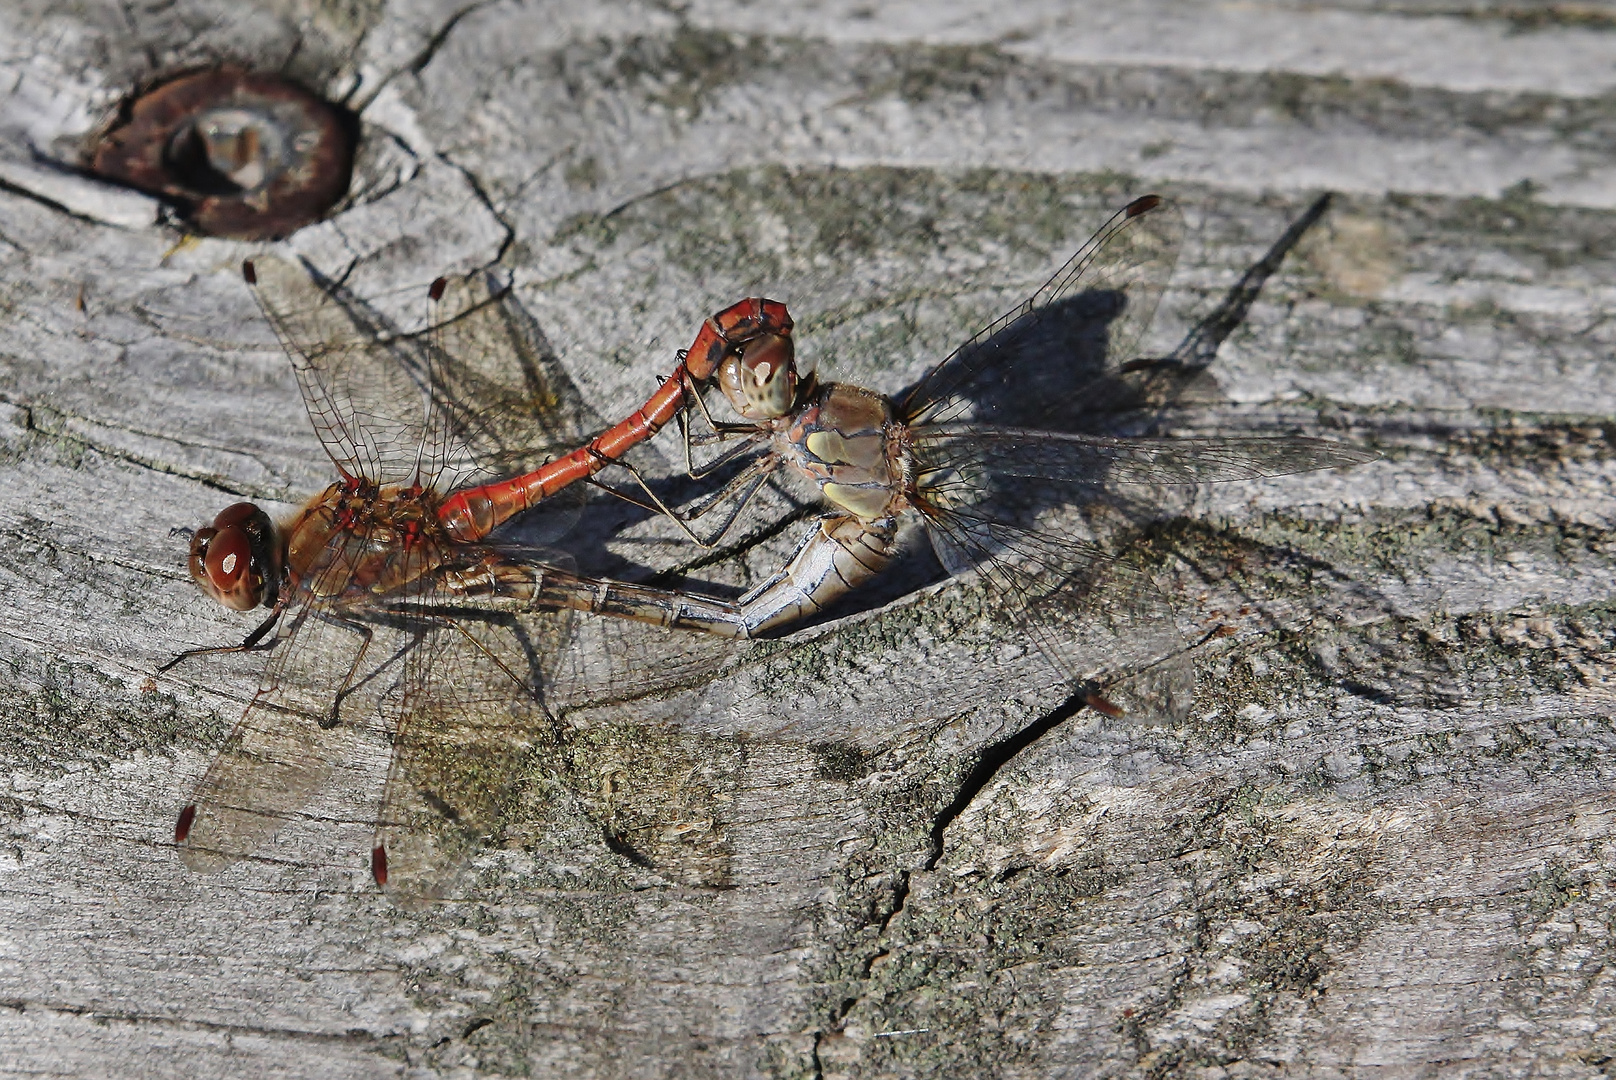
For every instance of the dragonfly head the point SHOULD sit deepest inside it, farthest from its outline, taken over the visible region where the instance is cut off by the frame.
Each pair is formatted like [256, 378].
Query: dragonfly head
[237, 559]
[761, 380]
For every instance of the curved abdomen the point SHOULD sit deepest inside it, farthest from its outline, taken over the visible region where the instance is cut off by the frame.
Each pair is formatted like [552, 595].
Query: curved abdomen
[839, 555]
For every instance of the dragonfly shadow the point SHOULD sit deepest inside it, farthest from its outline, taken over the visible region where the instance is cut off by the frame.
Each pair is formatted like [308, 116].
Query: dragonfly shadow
[1040, 371]
[1067, 381]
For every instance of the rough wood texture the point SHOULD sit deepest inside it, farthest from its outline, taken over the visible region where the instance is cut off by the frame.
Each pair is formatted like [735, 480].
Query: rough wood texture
[1382, 844]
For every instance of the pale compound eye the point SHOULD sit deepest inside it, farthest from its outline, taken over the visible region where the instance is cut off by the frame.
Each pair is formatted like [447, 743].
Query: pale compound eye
[769, 377]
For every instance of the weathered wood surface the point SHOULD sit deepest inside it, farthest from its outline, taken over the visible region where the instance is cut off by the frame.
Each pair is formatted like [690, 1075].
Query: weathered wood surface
[1382, 845]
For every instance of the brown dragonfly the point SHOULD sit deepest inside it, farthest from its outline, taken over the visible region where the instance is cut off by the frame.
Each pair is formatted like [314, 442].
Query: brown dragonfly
[388, 598]
[982, 485]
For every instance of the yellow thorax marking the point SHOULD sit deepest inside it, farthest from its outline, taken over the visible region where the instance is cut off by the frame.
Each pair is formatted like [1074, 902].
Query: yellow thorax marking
[863, 502]
[863, 451]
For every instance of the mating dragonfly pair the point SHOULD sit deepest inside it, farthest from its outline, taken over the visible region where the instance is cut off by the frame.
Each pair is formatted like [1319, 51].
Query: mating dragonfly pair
[401, 548]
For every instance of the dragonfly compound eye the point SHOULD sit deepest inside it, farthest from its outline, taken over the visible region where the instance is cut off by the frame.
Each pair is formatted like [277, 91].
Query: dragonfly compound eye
[767, 379]
[234, 561]
[197, 563]
[229, 568]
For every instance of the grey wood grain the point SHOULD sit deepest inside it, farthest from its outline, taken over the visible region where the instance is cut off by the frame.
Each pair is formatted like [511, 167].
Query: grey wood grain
[1380, 845]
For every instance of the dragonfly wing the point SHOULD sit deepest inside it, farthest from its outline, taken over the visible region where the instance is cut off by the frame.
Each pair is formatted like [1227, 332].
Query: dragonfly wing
[475, 706]
[1096, 618]
[957, 461]
[323, 670]
[616, 661]
[500, 383]
[509, 401]
[360, 374]
[441, 385]
[468, 719]
[1088, 316]
[605, 659]
[283, 749]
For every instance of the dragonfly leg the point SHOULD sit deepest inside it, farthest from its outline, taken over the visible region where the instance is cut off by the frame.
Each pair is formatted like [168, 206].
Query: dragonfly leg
[738, 492]
[717, 432]
[695, 401]
[347, 686]
[751, 433]
[253, 642]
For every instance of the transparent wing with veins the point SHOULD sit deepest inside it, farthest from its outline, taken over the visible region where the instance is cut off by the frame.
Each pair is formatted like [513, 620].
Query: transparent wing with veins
[407, 387]
[468, 717]
[359, 373]
[476, 704]
[287, 743]
[986, 494]
[1097, 619]
[394, 405]
[501, 388]
[1088, 316]
[961, 461]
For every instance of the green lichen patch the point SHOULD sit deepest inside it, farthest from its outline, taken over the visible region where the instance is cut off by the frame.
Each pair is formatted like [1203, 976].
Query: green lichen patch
[61, 712]
[661, 799]
[680, 71]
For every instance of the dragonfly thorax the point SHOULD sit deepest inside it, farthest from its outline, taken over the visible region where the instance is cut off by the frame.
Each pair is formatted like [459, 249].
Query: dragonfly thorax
[237, 560]
[845, 439]
[386, 538]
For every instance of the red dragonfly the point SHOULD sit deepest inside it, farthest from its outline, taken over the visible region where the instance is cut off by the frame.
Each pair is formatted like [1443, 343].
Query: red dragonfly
[982, 488]
[386, 596]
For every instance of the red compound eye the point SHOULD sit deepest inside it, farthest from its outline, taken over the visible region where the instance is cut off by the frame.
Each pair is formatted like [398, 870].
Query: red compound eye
[229, 557]
[235, 560]
[234, 514]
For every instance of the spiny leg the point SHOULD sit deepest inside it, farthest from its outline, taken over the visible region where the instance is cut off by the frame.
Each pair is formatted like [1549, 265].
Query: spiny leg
[347, 686]
[738, 491]
[250, 643]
